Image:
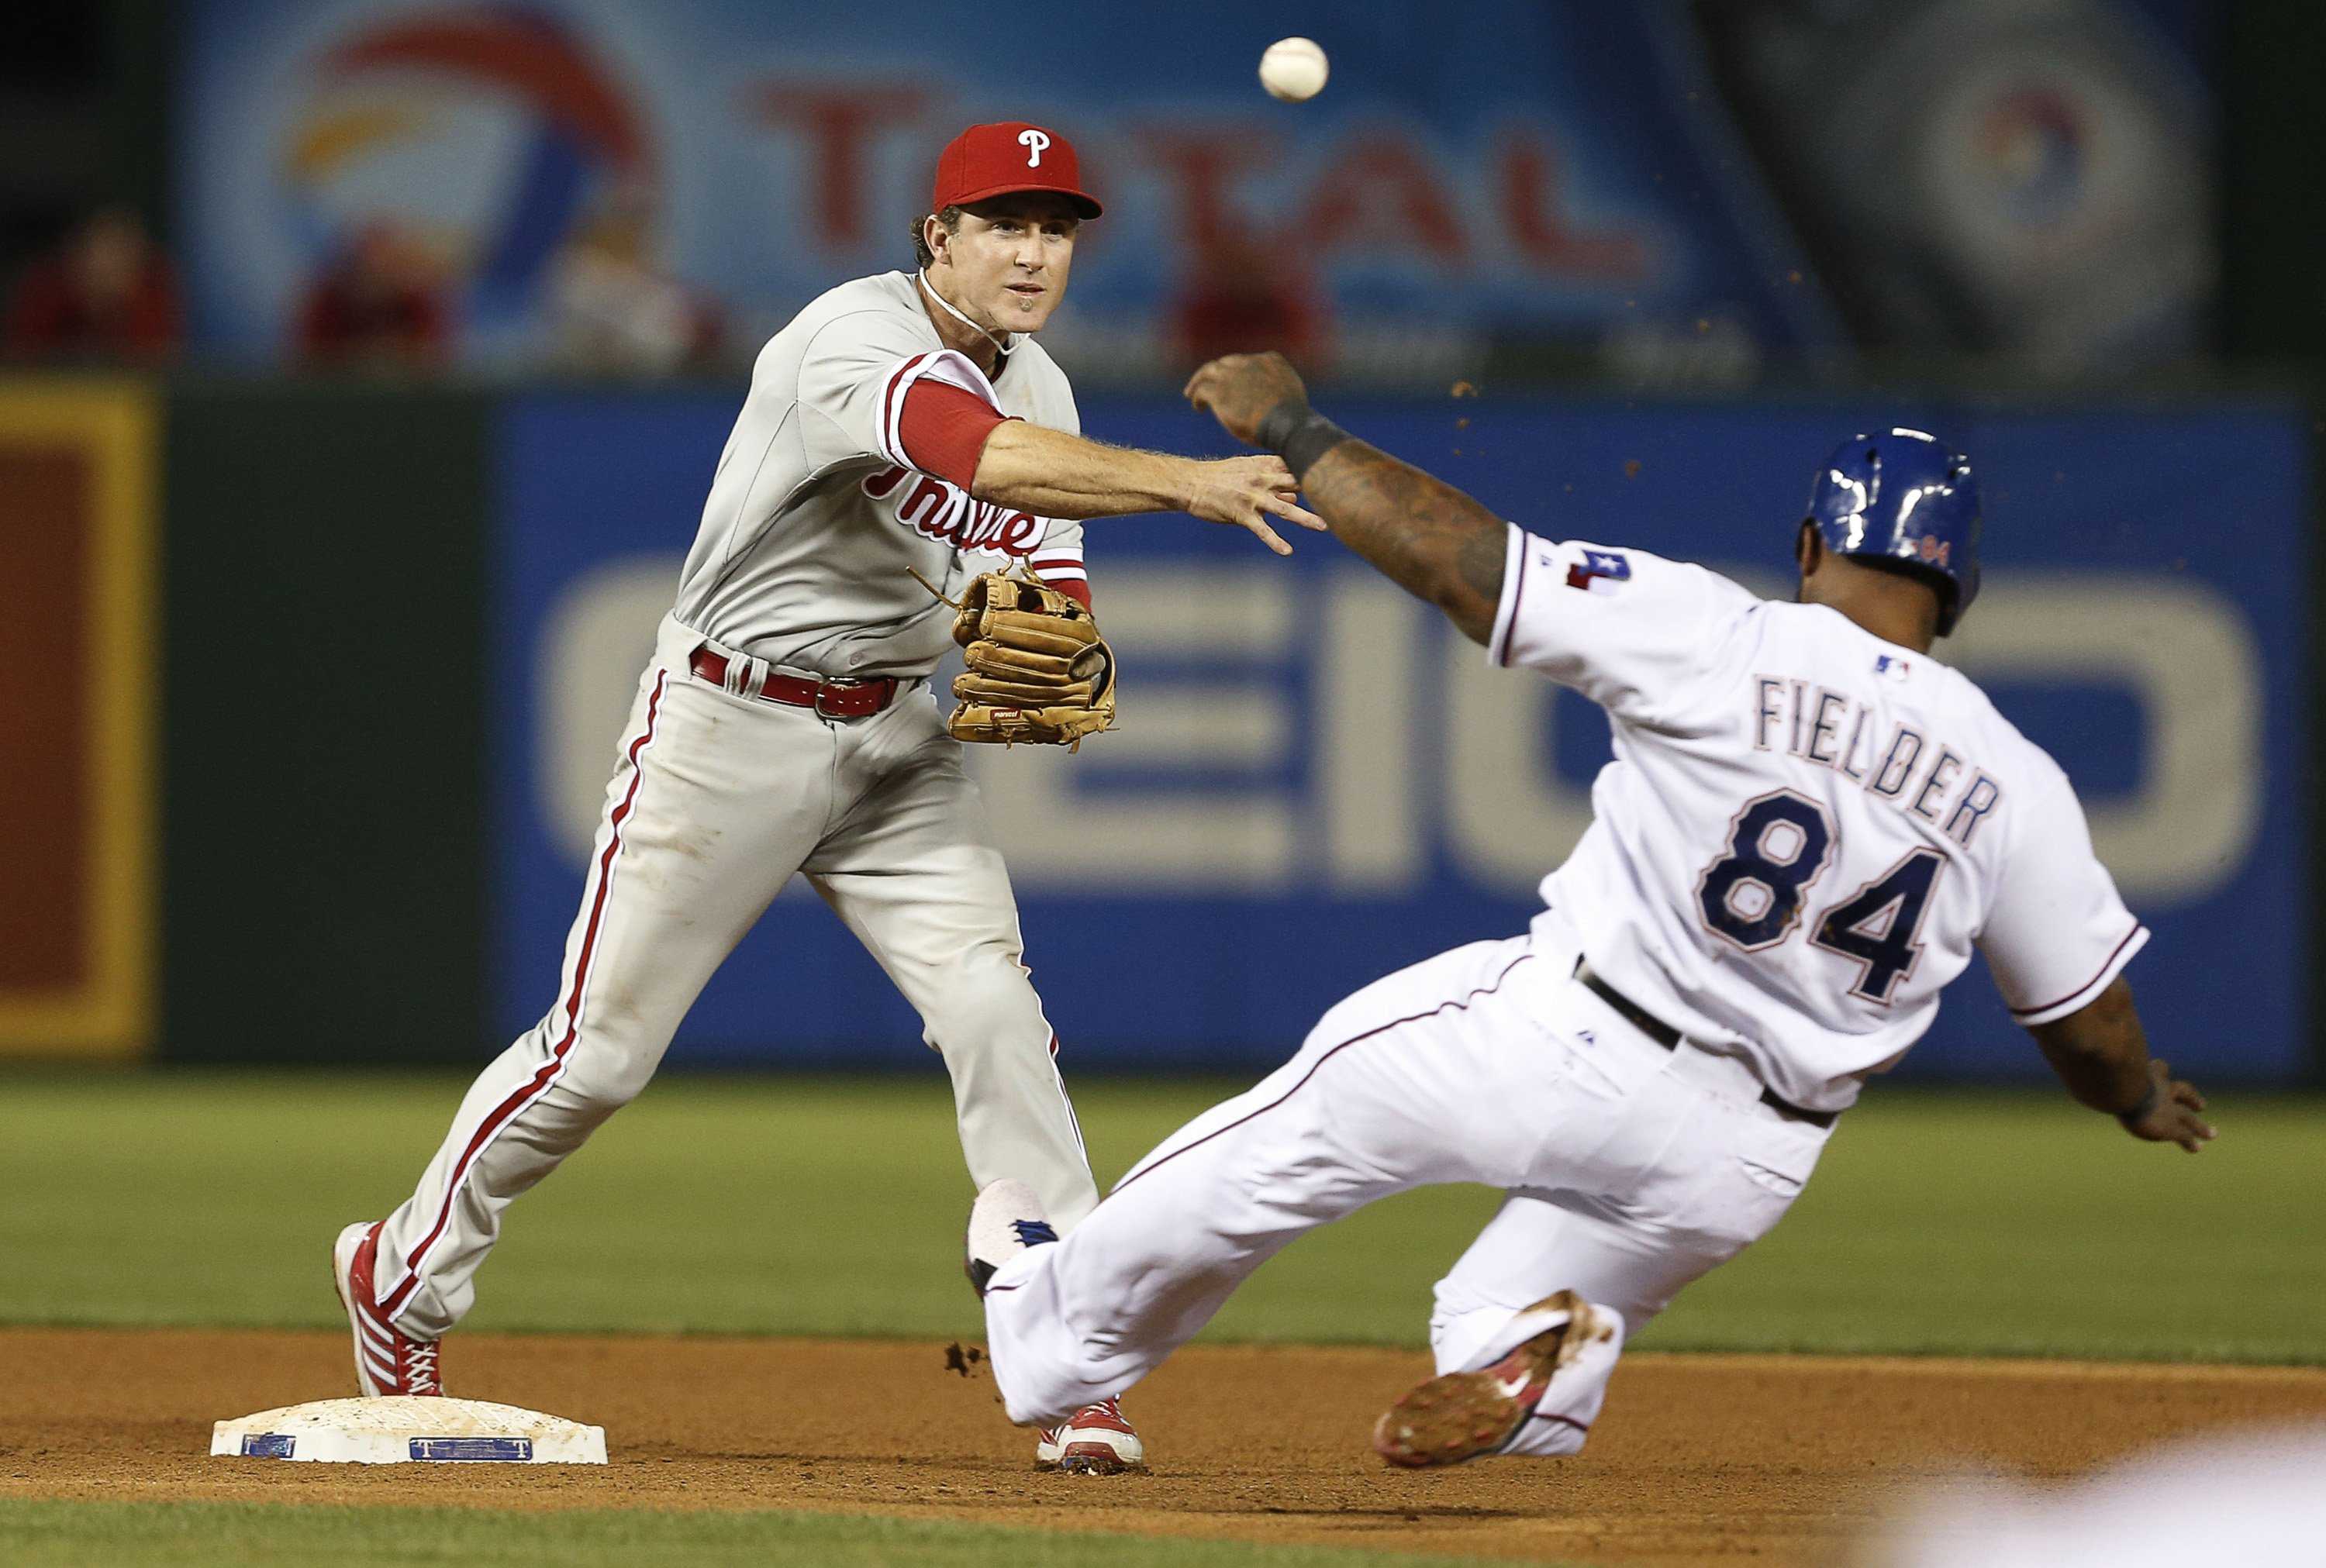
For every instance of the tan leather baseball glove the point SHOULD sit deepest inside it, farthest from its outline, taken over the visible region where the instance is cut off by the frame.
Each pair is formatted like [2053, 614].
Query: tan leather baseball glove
[1038, 670]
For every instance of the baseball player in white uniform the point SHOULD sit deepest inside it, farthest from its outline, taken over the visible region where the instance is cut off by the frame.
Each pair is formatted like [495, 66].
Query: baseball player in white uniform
[903, 430]
[1808, 825]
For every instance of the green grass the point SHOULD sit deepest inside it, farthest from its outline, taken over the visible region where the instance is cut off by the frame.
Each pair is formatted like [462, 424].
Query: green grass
[39, 1534]
[1940, 1223]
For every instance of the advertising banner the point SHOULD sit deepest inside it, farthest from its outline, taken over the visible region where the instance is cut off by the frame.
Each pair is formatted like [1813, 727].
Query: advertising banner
[1316, 781]
[77, 528]
[1549, 170]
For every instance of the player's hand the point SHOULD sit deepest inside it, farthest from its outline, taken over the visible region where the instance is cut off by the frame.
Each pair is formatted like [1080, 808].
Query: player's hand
[1247, 492]
[2172, 1110]
[1240, 389]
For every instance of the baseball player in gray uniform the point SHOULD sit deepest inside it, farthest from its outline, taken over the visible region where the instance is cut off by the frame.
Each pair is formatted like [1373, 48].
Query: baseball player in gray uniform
[1808, 824]
[902, 433]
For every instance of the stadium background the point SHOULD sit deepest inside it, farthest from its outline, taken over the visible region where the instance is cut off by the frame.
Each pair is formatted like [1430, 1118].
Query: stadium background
[317, 660]
[1578, 259]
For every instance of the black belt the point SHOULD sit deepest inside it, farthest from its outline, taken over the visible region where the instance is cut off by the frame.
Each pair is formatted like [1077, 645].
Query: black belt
[1665, 1035]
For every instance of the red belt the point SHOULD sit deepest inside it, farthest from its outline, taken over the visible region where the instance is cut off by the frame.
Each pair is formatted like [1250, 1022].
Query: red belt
[830, 699]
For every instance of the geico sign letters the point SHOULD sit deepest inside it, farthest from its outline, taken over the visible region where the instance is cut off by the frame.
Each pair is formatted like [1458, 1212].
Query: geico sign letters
[1286, 729]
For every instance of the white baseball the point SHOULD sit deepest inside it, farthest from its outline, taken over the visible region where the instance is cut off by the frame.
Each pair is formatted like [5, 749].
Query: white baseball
[1293, 69]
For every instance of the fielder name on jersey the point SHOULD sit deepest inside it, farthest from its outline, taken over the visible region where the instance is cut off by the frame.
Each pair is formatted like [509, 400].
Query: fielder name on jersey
[1805, 830]
[1927, 776]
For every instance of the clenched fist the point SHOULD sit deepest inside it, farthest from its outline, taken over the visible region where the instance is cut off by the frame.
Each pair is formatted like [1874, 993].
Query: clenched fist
[1241, 390]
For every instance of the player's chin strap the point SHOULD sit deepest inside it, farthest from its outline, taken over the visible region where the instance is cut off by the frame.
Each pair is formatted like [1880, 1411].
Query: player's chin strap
[1001, 345]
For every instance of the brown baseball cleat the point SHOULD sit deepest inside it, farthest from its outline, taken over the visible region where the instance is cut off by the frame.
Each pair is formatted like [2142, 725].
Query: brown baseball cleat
[1462, 1415]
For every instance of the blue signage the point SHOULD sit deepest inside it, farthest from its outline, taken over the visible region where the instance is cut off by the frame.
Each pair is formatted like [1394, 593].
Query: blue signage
[1315, 782]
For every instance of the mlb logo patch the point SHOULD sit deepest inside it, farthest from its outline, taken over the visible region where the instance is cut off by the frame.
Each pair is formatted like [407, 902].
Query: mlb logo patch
[1892, 665]
[1598, 566]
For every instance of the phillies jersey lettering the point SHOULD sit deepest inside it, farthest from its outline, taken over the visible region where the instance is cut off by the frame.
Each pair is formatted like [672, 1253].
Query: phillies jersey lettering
[942, 510]
[817, 522]
[1805, 830]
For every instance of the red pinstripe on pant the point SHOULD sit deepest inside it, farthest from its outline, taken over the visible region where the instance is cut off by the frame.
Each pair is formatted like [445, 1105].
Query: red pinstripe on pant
[536, 1086]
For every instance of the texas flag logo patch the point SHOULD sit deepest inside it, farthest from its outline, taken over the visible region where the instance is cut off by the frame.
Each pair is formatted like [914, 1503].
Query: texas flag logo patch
[1598, 566]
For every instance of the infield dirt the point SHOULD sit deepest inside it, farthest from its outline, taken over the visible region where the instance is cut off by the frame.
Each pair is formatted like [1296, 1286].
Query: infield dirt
[1698, 1458]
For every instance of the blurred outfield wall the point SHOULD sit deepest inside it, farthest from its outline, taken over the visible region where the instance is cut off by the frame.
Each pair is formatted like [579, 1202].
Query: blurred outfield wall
[1662, 182]
[78, 526]
[1316, 783]
[399, 628]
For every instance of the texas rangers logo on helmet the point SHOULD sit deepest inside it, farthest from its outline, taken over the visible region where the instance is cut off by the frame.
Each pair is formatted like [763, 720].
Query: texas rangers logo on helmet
[1035, 142]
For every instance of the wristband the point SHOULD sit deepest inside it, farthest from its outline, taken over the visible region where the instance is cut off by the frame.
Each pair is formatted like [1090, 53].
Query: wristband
[2139, 1113]
[1298, 434]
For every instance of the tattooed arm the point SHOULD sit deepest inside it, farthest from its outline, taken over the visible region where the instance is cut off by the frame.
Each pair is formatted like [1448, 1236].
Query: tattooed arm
[1420, 531]
[1423, 534]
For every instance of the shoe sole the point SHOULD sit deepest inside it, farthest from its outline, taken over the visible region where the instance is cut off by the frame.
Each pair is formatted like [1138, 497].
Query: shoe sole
[1007, 1196]
[1095, 1458]
[1091, 1455]
[1463, 1415]
[1091, 1458]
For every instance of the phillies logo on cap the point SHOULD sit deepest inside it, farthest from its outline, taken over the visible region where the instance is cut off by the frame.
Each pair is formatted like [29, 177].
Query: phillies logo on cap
[1004, 159]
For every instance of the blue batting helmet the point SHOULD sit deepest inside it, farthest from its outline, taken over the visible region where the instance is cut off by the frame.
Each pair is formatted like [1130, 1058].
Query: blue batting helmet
[1904, 498]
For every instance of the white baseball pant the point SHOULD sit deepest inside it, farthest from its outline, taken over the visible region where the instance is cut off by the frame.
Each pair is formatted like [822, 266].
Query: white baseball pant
[1631, 1170]
[717, 799]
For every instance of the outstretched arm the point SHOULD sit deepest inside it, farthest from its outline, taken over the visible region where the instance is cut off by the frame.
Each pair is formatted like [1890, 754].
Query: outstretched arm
[876, 392]
[1057, 475]
[2101, 1054]
[1423, 534]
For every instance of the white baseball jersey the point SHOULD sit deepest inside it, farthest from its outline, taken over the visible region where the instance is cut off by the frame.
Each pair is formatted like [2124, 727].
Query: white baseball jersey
[1805, 830]
[817, 520]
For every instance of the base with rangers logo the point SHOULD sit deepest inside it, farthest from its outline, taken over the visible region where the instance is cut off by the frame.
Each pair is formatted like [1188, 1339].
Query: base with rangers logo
[902, 434]
[1808, 824]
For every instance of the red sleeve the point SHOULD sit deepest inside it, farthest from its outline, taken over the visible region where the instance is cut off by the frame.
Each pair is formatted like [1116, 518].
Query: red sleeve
[943, 429]
[1074, 587]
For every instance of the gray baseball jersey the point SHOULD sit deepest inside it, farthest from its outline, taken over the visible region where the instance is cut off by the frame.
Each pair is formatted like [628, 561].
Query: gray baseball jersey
[816, 519]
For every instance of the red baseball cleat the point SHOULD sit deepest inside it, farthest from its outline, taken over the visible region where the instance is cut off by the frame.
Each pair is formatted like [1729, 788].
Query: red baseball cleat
[1095, 1441]
[388, 1360]
[1461, 1415]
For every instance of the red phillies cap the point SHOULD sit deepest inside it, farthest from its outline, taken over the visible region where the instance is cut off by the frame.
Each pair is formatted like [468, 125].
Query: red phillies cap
[1001, 159]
